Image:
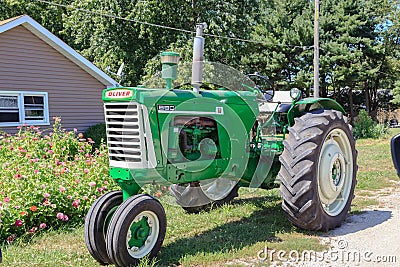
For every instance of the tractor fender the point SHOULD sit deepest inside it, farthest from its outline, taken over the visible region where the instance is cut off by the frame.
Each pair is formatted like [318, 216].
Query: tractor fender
[312, 103]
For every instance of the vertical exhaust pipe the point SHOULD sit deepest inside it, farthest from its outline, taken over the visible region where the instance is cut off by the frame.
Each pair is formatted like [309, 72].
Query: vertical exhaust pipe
[198, 57]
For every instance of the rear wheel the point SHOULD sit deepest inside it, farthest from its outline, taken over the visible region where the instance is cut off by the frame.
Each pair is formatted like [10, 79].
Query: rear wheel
[96, 222]
[318, 170]
[197, 196]
[136, 230]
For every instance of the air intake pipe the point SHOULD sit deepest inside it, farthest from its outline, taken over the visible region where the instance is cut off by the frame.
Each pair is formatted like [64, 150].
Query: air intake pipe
[198, 57]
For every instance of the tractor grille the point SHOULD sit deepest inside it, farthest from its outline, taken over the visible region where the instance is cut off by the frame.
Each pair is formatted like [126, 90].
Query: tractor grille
[125, 138]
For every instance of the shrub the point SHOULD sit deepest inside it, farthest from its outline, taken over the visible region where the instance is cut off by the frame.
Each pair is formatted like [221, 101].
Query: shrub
[97, 133]
[365, 127]
[48, 180]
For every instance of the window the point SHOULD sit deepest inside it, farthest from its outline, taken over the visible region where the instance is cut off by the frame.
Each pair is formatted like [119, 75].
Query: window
[18, 108]
[9, 111]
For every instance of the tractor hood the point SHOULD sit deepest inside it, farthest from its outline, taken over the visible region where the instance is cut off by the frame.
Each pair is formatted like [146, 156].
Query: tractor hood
[150, 97]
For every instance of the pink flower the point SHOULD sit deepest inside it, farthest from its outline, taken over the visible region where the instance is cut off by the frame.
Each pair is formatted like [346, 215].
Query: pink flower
[105, 182]
[11, 238]
[85, 198]
[92, 184]
[85, 170]
[62, 189]
[46, 203]
[18, 223]
[46, 195]
[6, 199]
[75, 203]
[18, 176]
[53, 206]
[94, 197]
[43, 186]
[51, 152]
[42, 225]
[77, 181]
[33, 230]
[60, 216]
[36, 171]
[69, 197]
[100, 189]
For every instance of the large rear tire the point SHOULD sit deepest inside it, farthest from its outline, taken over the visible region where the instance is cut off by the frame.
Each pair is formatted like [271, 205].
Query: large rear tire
[198, 196]
[318, 170]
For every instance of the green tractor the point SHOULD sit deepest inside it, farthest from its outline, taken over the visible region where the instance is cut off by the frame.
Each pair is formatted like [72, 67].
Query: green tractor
[227, 131]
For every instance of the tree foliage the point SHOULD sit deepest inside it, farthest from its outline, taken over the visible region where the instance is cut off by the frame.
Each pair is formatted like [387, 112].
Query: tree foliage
[285, 36]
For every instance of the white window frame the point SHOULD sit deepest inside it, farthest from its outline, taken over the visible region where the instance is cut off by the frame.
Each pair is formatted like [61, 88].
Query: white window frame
[21, 108]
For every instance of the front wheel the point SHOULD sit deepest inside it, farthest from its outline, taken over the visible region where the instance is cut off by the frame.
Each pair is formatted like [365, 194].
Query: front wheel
[318, 170]
[136, 230]
[96, 222]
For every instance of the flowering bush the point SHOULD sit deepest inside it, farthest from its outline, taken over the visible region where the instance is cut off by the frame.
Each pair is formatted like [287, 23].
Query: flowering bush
[47, 180]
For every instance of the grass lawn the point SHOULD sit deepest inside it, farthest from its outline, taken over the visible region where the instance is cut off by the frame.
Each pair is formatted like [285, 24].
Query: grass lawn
[229, 235]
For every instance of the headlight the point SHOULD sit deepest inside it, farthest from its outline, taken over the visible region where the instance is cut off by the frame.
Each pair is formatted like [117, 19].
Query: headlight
[295, 93]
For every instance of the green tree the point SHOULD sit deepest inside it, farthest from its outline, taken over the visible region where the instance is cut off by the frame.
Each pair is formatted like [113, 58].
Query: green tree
[108, 41]
[48, 16]
[354, 54]
[285, 36]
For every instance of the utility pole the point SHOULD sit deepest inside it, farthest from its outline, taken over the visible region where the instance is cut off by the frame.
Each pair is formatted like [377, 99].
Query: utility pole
[316, 49]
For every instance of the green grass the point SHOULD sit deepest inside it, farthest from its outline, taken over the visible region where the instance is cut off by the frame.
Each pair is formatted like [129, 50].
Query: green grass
[231, 234]
[234, 231]
[375, 170]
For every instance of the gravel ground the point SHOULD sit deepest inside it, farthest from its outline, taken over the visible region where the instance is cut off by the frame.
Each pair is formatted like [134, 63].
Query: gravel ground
[373, 237]
[368, 239]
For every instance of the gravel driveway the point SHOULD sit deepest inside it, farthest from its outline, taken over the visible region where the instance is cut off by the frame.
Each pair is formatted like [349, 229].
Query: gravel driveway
[368, 239]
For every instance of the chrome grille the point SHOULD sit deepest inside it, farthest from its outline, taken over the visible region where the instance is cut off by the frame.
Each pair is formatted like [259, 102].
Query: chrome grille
[124, 133]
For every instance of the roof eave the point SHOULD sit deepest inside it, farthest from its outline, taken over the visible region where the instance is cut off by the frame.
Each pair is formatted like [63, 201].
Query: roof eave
[60, 46]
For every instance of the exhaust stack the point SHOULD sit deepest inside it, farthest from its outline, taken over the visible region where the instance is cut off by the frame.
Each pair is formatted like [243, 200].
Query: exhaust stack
[198, 57]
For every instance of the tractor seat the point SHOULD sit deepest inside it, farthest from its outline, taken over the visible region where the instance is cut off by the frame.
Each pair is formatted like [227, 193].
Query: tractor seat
[283, 108]
[281, 98]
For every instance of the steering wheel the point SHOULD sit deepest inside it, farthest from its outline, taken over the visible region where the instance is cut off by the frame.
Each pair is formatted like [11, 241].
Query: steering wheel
[189, 86]
[263, 84]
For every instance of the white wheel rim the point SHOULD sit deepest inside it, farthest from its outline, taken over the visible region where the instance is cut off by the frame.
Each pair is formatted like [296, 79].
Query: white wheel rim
[154, 224]
[335, 172]
[217, 188]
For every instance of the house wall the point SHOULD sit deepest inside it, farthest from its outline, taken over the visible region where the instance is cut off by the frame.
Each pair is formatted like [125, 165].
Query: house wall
[29, 64]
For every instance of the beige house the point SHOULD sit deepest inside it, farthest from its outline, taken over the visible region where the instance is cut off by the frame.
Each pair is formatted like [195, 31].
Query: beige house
[41, 77]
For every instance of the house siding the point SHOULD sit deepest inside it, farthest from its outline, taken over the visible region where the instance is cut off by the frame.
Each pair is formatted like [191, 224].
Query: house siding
[27, 63]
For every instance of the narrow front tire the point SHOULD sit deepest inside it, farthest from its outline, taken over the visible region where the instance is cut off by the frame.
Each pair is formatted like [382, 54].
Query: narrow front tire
[96, 222]
[136, 230]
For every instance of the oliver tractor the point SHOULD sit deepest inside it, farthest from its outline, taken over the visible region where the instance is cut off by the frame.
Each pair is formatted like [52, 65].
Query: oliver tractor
[204, 138]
